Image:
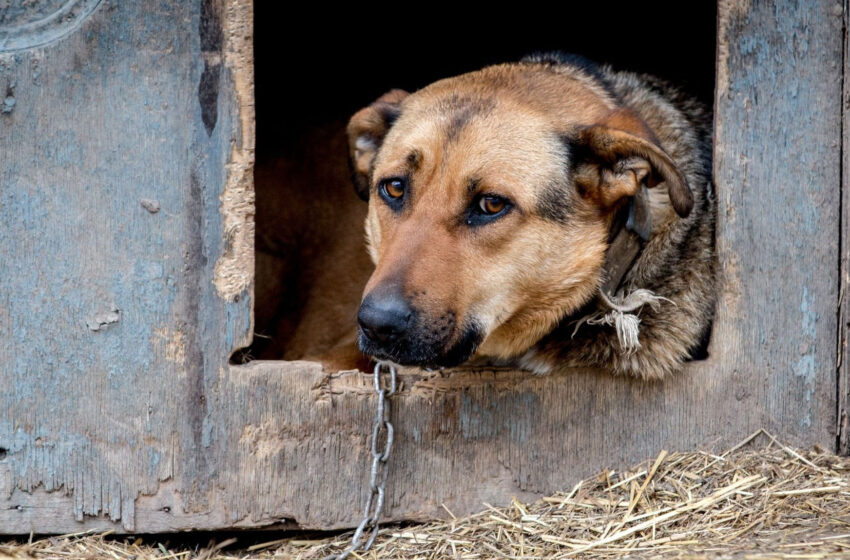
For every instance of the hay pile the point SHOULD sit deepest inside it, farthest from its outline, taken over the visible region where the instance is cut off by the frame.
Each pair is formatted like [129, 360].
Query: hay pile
[751, 502]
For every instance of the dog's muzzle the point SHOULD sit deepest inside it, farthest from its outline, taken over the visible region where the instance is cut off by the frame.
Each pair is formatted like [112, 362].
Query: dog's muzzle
[392, 329]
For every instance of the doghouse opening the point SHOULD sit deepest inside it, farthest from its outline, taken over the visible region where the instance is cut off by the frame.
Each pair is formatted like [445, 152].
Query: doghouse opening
[314, 72]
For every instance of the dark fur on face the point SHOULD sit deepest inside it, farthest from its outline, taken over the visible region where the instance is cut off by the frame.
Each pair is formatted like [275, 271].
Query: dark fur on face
[505, 186]
[427, 345]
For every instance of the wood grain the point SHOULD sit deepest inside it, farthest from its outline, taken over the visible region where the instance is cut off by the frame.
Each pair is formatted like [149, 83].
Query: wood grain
[140, 423]
[777, 142]
[843, 393]
[116, 321]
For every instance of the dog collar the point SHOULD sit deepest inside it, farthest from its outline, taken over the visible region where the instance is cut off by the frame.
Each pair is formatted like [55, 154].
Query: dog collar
[630, 231]
[626, 241]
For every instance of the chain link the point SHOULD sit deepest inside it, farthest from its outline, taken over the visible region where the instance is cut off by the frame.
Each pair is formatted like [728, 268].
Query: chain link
[378, 473]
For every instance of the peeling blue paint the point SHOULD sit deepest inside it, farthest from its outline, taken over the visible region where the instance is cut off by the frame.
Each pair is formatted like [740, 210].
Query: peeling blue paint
[62, 148]
[154, 458]
[94, 285]
[783, 102]
[805, 368]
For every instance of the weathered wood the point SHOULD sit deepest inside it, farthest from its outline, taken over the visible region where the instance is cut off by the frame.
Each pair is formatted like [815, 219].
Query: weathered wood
[843, 393]
[777, 134]
[117, 319]
[135, 419]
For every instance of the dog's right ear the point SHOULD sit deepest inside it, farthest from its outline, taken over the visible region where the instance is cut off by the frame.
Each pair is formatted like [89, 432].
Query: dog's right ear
[366, 131]
[613, 163]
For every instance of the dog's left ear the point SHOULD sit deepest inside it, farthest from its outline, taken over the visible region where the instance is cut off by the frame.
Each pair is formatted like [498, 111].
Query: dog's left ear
[610, 164]
[366, 131]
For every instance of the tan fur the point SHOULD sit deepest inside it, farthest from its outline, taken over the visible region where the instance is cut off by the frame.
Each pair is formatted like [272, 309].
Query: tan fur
[525, 278]
[510, 282]
[521, 278]
[678, 262]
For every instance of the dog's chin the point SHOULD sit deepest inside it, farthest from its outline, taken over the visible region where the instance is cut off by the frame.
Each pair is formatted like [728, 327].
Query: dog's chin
[414, 353]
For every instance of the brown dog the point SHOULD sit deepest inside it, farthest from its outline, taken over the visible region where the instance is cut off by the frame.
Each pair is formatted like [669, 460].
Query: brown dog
[546, 213]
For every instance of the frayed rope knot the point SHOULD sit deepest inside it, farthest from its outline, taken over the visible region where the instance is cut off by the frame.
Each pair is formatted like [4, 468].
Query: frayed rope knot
[620, 315]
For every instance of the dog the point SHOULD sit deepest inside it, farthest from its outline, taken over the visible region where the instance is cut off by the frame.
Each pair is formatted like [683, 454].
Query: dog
[544, 214]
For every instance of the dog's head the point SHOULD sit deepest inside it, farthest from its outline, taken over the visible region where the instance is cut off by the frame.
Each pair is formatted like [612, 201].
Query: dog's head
[491, 196]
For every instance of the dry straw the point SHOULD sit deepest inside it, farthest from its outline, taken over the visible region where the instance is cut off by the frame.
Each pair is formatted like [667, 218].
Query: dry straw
[753, 501]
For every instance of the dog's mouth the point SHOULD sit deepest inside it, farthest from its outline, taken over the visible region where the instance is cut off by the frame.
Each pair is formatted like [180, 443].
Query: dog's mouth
[419, 348]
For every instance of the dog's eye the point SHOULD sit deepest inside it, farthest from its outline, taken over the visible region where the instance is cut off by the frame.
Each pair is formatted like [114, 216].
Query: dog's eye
[393, 191]
[492, 204]
[487, 208]
[392, 188]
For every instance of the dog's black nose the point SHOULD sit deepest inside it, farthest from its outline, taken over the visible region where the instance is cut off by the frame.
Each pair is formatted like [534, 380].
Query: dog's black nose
[384, 319]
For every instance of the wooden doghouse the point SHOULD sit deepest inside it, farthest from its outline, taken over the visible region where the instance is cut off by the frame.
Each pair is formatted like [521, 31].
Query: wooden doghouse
[126, 252]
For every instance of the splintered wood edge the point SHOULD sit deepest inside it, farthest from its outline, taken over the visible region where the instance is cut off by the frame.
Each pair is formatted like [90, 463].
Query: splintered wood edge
[234, 270]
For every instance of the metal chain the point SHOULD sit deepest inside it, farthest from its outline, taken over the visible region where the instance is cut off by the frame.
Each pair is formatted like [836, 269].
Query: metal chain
[378, 480]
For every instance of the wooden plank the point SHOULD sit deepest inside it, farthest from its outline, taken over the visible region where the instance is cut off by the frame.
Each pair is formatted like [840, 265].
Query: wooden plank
[170, 436]
[843, 393]
[125, 199]
[778, 172]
